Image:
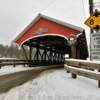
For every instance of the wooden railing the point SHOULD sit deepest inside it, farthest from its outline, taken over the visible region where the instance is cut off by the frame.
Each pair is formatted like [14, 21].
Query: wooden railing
[84, 68]
[13, 62]
[29, 63]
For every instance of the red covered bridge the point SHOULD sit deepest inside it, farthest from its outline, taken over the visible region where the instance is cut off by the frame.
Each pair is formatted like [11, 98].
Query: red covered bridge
[49, 40]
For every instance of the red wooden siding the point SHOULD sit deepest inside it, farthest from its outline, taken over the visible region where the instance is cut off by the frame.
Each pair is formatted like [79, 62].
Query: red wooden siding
[53, 28]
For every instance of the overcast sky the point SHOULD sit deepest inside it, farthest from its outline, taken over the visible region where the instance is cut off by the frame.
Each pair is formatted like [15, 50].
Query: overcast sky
[16, 14]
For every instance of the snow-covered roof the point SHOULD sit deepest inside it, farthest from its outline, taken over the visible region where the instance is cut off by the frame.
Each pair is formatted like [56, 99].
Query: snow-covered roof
[51, 19]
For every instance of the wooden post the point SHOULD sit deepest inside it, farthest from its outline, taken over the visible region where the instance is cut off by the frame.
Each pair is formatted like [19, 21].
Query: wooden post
[25, 52]
[30, 56]
[37, 54]
[30, 53]
[0, 65]
[99, 81]
[73, 55]
[78, 52]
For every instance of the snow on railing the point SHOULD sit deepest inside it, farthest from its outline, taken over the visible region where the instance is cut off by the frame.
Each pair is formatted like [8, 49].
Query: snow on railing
[90, 69]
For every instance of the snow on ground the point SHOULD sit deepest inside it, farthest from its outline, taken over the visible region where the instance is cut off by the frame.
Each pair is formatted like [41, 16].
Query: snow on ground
[55, 85]
[9, 69]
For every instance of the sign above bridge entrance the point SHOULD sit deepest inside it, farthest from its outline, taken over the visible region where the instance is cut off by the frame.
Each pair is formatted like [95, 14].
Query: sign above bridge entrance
[41, 30]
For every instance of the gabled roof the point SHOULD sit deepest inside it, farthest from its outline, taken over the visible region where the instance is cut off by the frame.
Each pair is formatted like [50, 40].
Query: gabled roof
[51, 19]
[62, 23]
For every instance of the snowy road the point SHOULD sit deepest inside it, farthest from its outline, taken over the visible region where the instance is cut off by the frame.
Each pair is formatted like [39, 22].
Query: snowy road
[55, 85]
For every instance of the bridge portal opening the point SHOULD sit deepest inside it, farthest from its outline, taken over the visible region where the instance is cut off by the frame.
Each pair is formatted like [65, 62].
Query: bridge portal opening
[48, 49]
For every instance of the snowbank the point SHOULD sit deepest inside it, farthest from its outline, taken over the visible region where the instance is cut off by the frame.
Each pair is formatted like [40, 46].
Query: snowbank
[9, 69]
[55, 85]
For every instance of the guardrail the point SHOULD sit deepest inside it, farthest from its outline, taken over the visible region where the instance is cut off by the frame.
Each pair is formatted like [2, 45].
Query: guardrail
[14, 62]
[83, 68]
[29, 63]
